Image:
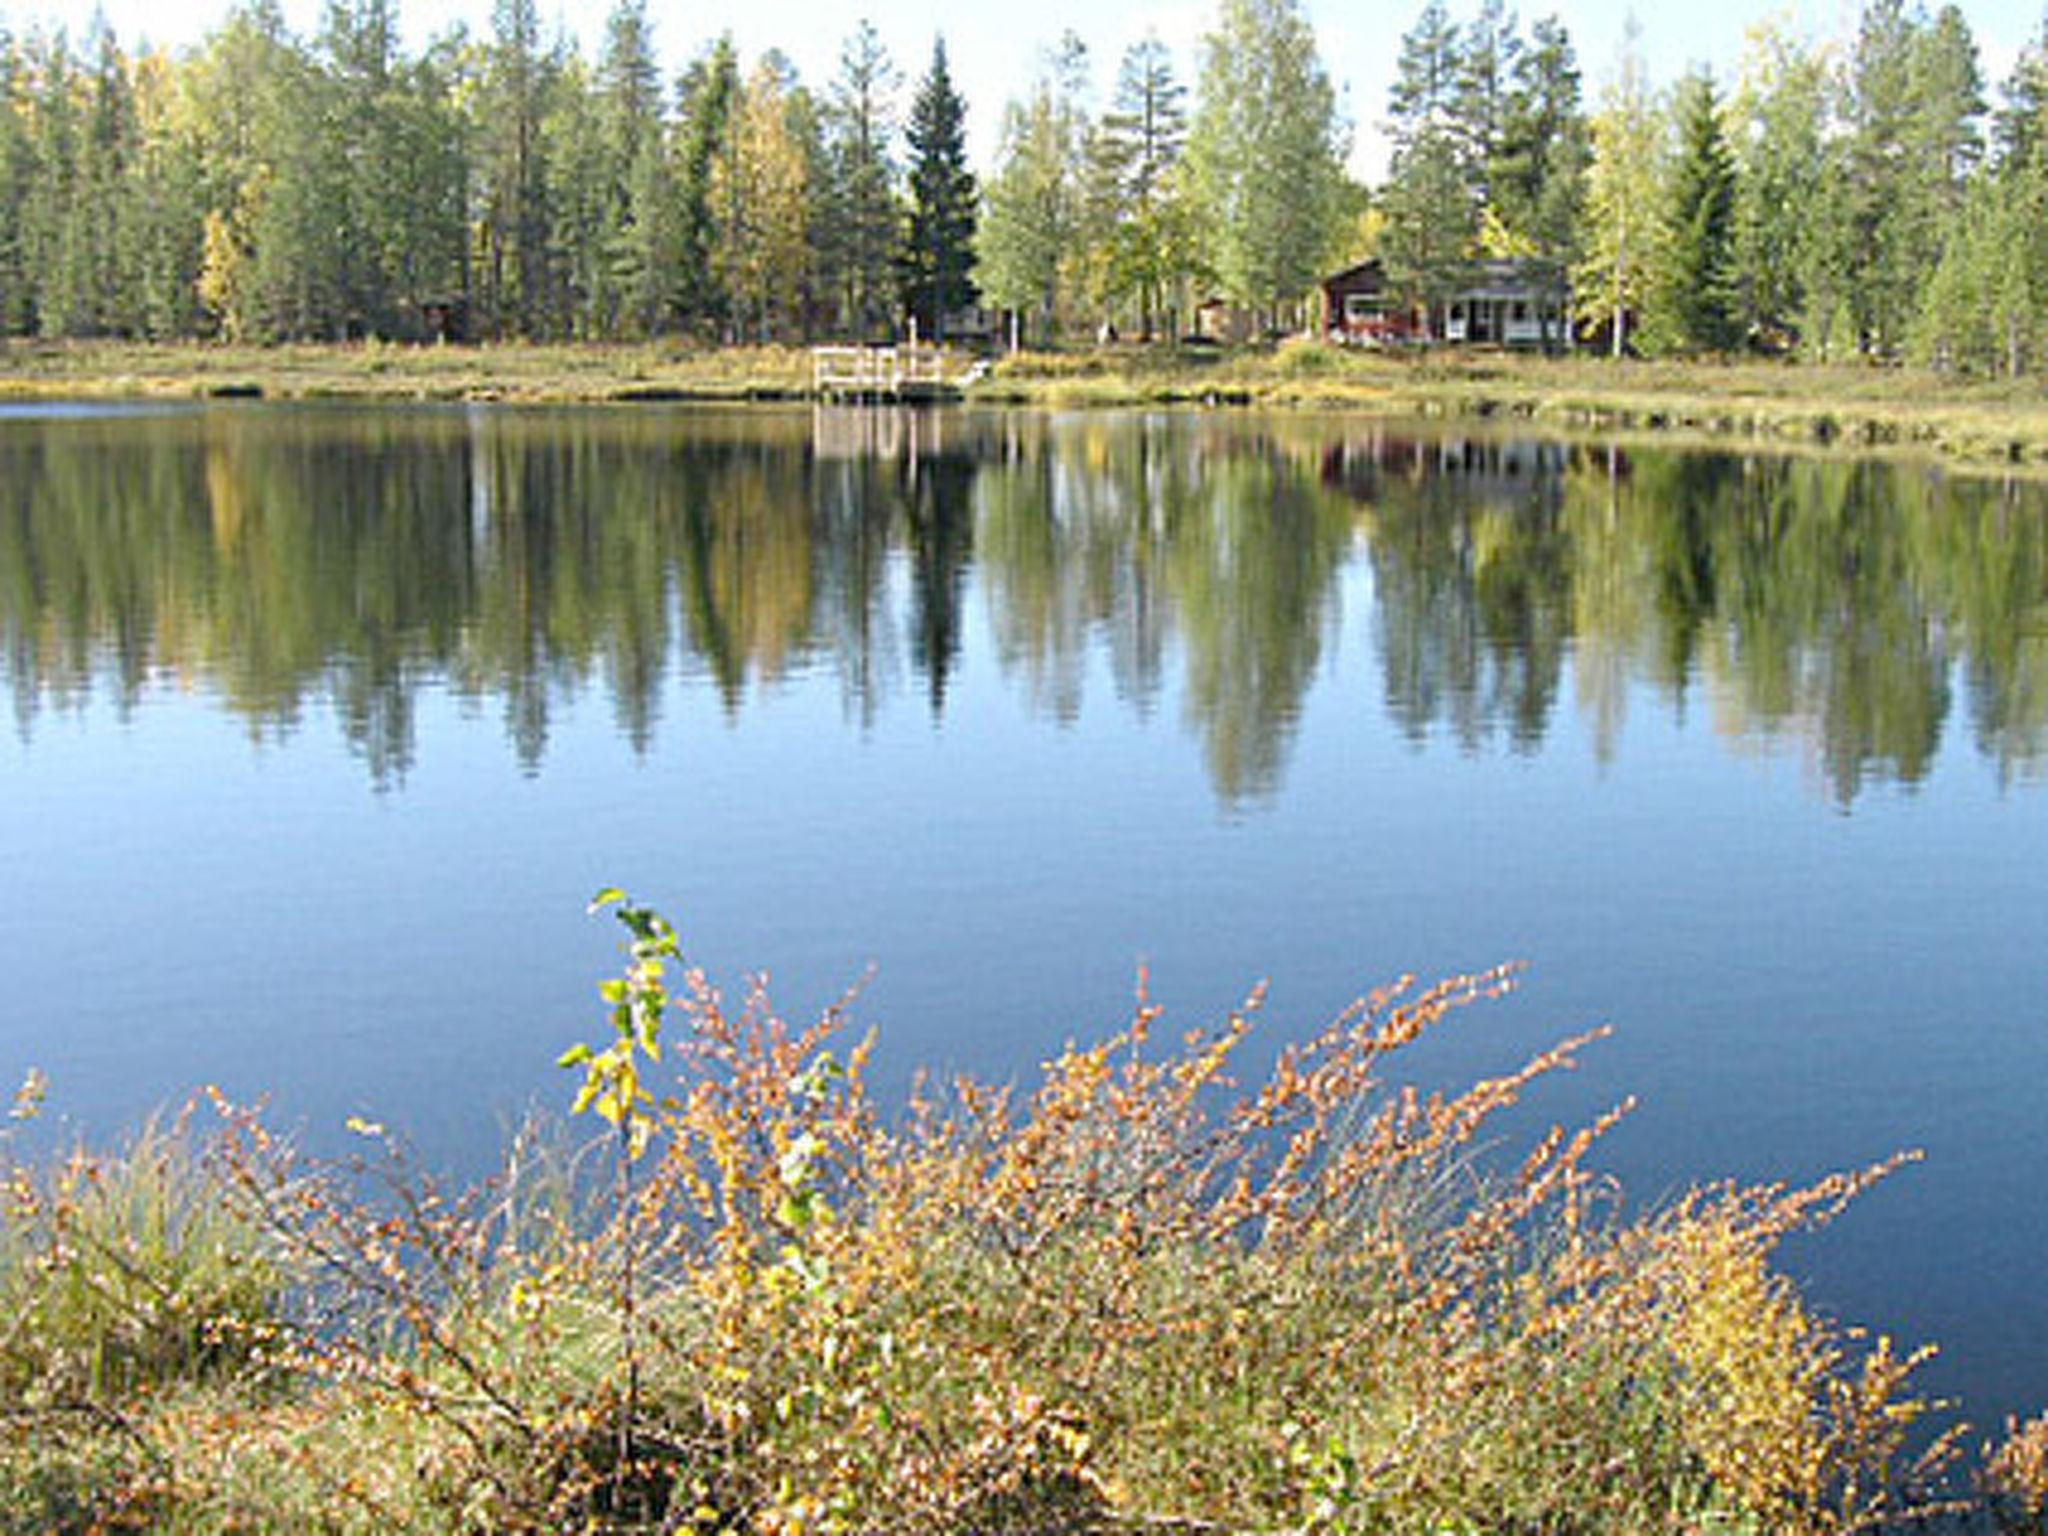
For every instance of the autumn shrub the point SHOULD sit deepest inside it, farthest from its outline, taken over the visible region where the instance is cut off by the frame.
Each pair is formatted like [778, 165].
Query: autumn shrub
[2015, 1477]
[1136, 1293]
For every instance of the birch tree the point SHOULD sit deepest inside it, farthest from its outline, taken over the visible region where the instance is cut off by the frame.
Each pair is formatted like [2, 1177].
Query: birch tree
[1624, 226]
[1265, 155]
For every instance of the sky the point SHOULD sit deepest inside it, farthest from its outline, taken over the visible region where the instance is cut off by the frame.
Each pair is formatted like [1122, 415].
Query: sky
[994, 50]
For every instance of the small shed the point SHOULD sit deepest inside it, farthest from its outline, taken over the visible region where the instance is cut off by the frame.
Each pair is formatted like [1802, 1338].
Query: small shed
[1218, 319]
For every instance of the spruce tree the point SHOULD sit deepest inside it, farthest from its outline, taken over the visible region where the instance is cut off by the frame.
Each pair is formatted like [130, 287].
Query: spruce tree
[709, 106]
[15, 171]
[936, 262]
[1695, 302]
[633, 167]
[859, 238]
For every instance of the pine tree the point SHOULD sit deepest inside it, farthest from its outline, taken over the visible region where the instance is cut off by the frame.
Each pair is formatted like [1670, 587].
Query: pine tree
[16, 171]
[577, 178]
[1983, 309]
[1914, 100]
[633, 168]
[239, 88]
[1486, 66]
[108, 149]
[936, 262]
[1538, 184]
[1430, 200]
[2022, 123]
[163, 212]
[1139, 148]
[518, 225]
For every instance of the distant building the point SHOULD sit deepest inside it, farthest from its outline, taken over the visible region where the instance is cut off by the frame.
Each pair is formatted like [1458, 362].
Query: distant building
[1501, 303]
[1220, 320]
[1359, 309]
[445, 318]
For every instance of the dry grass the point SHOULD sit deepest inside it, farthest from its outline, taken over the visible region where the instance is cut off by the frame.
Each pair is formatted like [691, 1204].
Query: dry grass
[392, 371]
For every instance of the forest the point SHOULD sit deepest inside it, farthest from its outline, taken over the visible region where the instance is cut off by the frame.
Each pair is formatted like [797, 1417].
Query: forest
[1872, 199]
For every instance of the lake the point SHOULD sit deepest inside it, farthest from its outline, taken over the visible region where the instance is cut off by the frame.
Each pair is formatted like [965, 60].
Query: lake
[327, 721]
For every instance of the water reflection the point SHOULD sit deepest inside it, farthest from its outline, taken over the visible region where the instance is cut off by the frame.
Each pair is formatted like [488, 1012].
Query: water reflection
[282, 558]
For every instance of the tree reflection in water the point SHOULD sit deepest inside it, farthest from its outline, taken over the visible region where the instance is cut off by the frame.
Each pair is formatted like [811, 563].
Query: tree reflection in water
[280, 558]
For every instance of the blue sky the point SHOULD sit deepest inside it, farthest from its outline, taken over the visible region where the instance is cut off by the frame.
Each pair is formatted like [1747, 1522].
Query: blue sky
[995, 49]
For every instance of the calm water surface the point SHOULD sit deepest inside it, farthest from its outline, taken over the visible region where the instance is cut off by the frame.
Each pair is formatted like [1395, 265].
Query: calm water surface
[325, 723]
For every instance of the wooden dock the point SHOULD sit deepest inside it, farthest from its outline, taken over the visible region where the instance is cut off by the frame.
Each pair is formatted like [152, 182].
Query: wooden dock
[891, 375]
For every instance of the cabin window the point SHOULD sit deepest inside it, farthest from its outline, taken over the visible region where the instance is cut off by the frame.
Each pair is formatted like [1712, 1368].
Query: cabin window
[1360, 306]
[1521, 310]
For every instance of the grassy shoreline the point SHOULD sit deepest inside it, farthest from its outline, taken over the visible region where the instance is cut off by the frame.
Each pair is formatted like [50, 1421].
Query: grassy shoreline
[1855, 408]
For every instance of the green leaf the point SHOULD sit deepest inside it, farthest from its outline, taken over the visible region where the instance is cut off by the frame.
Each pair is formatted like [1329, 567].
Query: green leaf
[575, 1056]
[603, 899]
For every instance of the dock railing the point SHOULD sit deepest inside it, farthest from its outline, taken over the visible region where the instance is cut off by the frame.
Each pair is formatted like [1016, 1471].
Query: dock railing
[876, 371]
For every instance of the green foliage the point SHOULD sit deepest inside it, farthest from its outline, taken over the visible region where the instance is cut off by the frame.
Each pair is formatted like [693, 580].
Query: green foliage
[267, 187]
[1694, 298]
[1783, 190]
[1536, 184]
[709, 105]
[857, 248]
[1983, 309]
[1265, 155]
[1431, 205]
[1142, 222]
[1035, 201]
[1622, 240]
[612, 1075]
[1912, 103]
[936, 263]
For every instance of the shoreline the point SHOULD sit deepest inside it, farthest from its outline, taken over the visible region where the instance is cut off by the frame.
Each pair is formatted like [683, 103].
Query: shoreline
[1857, 409]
